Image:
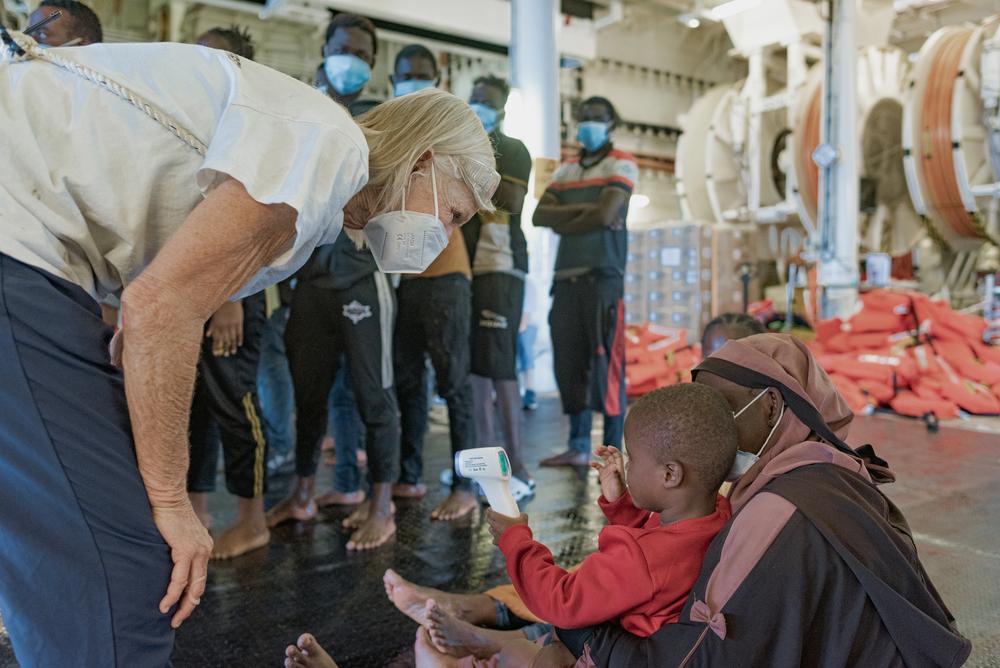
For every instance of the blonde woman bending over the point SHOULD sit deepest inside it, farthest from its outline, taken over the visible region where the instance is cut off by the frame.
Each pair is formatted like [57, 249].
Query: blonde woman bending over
[179, 176]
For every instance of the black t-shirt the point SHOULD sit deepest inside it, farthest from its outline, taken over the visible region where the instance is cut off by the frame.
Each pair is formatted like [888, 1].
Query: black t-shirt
[337, 266]
[495, 241]
[341, 264]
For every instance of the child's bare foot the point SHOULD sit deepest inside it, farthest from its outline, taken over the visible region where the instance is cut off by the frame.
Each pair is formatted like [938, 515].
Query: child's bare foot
[411, 600]
[408, 598]
[340, 498]
[290, 509]
[456, 638]
[374, 532]
[427, 656]
[457, 505]
[307, 653]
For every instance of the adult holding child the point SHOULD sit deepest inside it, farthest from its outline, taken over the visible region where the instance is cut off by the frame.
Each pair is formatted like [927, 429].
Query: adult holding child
[817, 566]
[681, 443]
[827, 572]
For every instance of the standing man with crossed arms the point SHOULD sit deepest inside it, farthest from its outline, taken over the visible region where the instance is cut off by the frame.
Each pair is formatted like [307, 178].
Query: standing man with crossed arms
[586, 205]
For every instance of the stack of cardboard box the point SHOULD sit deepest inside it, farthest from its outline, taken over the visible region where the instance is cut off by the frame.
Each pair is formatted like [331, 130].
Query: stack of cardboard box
[733, 256]
[683, 274]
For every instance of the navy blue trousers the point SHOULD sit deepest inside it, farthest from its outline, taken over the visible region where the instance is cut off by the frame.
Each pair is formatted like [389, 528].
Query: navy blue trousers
[82, 566]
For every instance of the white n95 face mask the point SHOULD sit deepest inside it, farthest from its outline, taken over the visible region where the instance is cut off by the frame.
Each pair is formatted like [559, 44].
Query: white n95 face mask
[745, 460]
[406, 242]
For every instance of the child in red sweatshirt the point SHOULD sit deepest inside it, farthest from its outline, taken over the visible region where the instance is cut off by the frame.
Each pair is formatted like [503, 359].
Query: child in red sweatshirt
[664, 511]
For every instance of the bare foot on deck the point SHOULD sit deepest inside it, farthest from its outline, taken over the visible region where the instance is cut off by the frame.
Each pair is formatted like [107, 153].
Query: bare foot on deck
[457, 505]
[307, 653]
[360, 516]
[411, 600]
[403, 490]
[568, 458]
[426, 654]
[408, 598]
[374, 532]
[241, 538]
[290, 509]
[340, 498]
[456, 638]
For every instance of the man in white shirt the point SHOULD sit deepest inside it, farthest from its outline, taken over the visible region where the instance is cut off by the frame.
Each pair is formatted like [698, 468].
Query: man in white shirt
[186, 176]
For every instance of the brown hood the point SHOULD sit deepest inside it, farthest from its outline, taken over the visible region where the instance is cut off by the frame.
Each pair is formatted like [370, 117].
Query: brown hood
[815, 412]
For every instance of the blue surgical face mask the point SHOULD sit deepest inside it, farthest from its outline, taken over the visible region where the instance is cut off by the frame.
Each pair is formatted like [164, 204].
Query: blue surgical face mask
[592, 134]
[488, 116]
[401, 88]
[745, 460]
[346, 73]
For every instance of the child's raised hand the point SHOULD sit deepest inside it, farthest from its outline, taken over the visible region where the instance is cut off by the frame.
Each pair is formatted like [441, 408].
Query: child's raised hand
[500, 523]
[611, 471]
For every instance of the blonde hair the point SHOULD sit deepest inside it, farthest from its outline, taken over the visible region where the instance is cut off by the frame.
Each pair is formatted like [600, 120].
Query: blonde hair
[401, 130]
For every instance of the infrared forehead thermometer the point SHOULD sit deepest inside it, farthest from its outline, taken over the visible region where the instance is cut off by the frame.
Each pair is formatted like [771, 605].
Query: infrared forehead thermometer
[491, 469]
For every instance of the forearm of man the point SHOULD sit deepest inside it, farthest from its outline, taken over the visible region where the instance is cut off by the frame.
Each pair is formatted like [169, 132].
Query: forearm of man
[552, 215]
[587, 220]
[510, 196]
[604, 212]
[221, 245]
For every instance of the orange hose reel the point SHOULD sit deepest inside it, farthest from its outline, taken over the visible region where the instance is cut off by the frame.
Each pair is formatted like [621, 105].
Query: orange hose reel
[809, 189]
[935, 140]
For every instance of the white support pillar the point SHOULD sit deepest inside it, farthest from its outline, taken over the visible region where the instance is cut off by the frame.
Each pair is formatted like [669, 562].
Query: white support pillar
[534, 62]
[838, 158]
[175, 16]
[534, 69]
[753, 92]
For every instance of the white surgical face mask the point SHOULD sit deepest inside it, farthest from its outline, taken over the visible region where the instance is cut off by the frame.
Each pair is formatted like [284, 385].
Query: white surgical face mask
[406, 242]
[745, 460]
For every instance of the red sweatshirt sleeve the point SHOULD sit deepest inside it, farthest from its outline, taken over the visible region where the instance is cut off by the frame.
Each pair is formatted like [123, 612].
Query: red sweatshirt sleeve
[622, 511]
[609, 583]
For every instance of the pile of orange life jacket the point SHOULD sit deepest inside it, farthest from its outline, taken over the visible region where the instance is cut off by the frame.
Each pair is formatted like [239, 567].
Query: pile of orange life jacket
[912, 354]
[657, 356]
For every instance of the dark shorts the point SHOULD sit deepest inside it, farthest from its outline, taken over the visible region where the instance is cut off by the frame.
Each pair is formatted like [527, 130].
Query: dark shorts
[497, 302]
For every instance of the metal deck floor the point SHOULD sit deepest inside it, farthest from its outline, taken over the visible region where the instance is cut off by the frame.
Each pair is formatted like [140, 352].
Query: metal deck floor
[305, 580]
